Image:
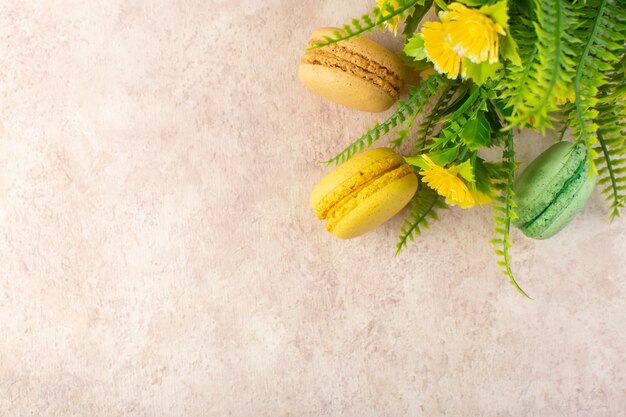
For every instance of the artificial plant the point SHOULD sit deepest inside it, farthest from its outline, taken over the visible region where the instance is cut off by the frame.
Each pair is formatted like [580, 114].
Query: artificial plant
[488, 67]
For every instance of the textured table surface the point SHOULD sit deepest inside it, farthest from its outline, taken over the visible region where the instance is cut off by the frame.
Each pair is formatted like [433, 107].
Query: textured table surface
[158, 256]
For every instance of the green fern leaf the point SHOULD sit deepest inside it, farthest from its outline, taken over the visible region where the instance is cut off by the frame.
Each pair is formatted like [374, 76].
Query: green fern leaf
[423, 207]
[548, 80]
[504, 209]
[601, 28]
[450, 133]
[611, 135]
[597, 115]
[376, 19]
[419, 98]
[442, 108]
[519, 76]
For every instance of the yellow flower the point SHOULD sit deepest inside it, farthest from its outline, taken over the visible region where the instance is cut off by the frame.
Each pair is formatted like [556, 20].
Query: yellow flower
[471, 33]
[448, 185]
[426, 73]
[439, 51]
[395, 22]
[463, 34]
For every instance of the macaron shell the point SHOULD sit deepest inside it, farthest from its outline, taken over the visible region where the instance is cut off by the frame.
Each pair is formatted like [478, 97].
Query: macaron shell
[563, 210]
[552, 190]
[361, 165]
[357, 72]
[378, 208]
[366, 47]
[344, 88]
[544, 177]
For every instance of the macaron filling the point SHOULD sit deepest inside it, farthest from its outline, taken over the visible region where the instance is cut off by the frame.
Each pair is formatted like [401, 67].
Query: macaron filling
[356, 182]
[547, 214]
[346, 60]
[347, 204]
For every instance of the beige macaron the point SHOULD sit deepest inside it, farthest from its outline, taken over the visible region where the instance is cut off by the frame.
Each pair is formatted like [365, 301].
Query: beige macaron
[357, 73]
[364, 192]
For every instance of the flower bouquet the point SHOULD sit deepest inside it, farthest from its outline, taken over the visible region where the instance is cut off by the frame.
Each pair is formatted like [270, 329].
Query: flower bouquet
[487, 67]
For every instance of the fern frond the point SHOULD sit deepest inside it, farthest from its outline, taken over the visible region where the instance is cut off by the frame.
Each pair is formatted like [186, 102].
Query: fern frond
[597, 115]
[403, 134]
[419, 97]
[423, 207]
[375, 19]
[548, 80]
[467, 111]
[611, 146]
[442, 108]
[427, 127]
[504, 209]
[517, 76]
[602, 29]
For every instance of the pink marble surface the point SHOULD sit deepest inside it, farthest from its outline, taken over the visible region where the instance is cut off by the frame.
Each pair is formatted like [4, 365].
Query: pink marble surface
[158, 256]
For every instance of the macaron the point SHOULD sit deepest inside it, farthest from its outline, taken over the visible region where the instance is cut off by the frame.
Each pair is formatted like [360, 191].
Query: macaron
[552, 190]
[357, 73]
[364, 192]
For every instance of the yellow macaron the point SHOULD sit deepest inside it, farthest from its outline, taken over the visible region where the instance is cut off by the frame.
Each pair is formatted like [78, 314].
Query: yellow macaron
[357, 73]
[364, 192]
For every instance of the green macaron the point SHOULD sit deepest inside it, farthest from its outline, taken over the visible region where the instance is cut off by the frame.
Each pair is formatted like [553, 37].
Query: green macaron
[552, 190]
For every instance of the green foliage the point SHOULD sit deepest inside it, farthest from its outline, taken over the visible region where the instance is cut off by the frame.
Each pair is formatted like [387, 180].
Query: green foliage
[483, 176]
[403, 134]
[516, 77]
[450, 133]
[419, 97]
[416, 17]
[415, 48]
[442, 108]
[611, 146]
[375, 19]
[545, 81]
[504, 209]
[476, 132]
[602, 29]
[480, 73]
[423, 207]
[498, 12]
[561, 62]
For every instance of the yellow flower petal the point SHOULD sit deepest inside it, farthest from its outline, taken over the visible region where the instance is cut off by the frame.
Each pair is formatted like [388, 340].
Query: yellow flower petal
[471, 33]
[483, 198]
[439, 51]
[392, 24]
[427, 72]
[447, 185]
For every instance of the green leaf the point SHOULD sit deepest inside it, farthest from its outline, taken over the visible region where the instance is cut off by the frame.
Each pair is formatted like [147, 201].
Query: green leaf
[479, 72]
[422, 208]
[504, 209]
[441, 158]
[416, 17]
[483, 179]
[375, 19]
[545, 79]
[498, 12]
[416, 161]
[509, 49]
[464, 169]
[442, 108]
[418, 99]
[445, 156]
[600, 50]
[415, 47]
[409, 61]
[477, 132]
[474, 2]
